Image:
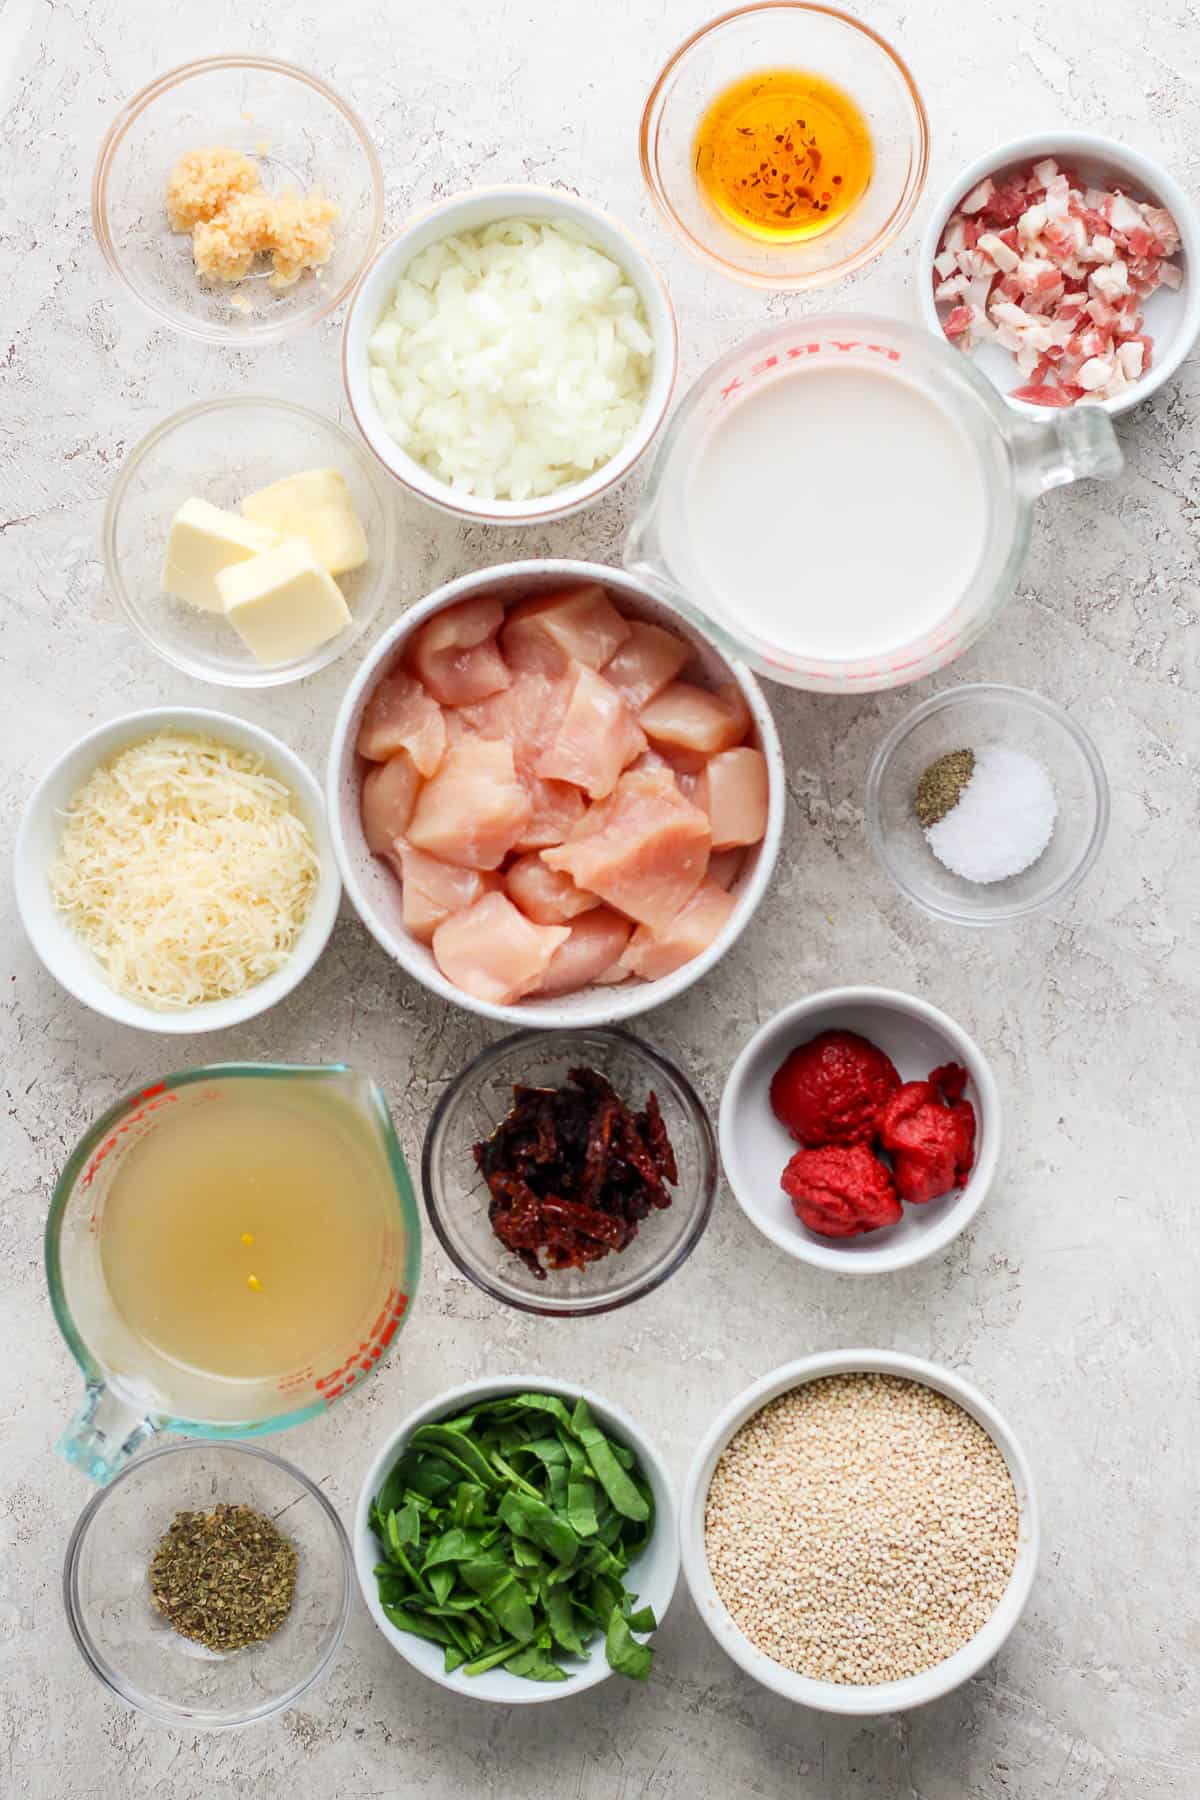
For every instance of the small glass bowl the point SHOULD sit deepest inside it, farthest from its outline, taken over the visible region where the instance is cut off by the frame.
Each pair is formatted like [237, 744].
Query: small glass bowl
[976, 717]
[220, 451]
[131, 1647]
[474, 1105]
[780, 34]
[300, 134]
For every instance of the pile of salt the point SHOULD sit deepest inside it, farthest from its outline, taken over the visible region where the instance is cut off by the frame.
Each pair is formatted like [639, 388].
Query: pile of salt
[1003, 820]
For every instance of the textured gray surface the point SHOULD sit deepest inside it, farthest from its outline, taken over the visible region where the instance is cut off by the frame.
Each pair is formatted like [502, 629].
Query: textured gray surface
[1072, 1302]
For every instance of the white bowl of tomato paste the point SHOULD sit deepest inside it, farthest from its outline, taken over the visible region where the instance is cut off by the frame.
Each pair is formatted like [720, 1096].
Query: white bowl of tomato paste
[838, 1145]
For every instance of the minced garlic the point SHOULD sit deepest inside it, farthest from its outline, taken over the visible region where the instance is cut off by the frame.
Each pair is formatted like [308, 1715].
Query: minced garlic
[216, 194]
[204, 182]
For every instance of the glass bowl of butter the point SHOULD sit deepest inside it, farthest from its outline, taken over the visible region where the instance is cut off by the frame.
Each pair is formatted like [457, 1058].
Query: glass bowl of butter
[247, 540]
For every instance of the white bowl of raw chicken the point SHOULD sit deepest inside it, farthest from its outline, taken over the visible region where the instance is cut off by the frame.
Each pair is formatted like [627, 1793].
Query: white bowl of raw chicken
[377, 893]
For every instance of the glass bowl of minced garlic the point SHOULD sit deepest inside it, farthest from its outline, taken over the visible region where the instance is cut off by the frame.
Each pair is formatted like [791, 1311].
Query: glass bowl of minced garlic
[238, 198]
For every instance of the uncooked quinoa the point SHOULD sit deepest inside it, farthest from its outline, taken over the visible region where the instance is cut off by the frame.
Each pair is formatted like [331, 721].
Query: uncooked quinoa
[861, 1528]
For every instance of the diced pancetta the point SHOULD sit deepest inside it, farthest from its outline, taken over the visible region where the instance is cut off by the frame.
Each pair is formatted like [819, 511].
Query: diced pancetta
[1025, 257]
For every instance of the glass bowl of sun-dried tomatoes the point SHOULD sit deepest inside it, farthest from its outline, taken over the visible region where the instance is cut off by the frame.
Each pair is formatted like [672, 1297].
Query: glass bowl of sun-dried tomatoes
[569, 1172]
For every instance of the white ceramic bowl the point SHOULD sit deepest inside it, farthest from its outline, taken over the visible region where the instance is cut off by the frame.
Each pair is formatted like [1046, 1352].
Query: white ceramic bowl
[830, 1696]
[1172, 318]
[755, 1146]
[468, 212]
[62, 952]
[374, 889]
[652, 1576]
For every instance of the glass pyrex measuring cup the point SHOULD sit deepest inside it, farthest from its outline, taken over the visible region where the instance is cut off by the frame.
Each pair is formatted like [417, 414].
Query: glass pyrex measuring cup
[1012, 460]
[134, 1389]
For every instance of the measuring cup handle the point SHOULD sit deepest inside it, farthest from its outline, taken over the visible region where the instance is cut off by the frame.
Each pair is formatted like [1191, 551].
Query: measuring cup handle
[1073, 445]
[104, 1434]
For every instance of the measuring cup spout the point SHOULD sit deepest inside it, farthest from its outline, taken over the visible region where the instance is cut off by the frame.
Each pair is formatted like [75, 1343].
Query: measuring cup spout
[1074, 445]
[104, 1434]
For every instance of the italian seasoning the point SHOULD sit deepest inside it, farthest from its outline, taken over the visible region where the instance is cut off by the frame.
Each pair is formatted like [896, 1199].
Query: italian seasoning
[940, 787]
[224, 1578]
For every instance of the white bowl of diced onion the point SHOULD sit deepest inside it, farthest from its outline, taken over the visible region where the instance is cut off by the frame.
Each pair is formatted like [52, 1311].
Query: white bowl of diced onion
[1171, 314]
[67, 957]
[389, 398]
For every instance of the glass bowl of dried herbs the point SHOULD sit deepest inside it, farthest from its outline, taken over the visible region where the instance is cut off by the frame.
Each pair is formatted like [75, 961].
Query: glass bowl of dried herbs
[209, 1585]
[569, 1172]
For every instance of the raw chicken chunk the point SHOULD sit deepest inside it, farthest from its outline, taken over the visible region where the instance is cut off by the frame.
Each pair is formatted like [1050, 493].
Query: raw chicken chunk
[733, 792]
[400, 715]
[433, 890]
[544, 895]
[595, 942]
[557, 809]
[578, 625]
[455, 654]
[389, 794]
[686, 717]
[653, 954]
[647, 661]
[644, 849]
[492, 952]
[597, 738]
[724, 867]
[475, 808]
[528, 714]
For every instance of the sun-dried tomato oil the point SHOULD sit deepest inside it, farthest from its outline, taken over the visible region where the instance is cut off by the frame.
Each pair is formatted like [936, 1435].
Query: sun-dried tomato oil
[783, 155]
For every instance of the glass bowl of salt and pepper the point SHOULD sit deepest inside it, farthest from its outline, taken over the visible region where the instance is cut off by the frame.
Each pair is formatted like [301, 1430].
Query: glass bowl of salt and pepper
[986, 804]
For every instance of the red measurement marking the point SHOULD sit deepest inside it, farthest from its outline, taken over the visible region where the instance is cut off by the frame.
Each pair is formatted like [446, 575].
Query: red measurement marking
[768, 362]
[733, 387]
[802, 350]
[363, 1359]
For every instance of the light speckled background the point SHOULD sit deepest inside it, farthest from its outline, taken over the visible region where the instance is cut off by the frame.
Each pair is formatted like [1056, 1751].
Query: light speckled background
[1073, 1301]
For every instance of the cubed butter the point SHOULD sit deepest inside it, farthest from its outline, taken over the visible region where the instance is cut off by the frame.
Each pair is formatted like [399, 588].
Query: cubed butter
[283, 604]
[316, 505]
[203, 540]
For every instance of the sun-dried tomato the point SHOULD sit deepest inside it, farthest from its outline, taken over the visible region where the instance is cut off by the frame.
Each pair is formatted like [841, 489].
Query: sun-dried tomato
[572, 1172]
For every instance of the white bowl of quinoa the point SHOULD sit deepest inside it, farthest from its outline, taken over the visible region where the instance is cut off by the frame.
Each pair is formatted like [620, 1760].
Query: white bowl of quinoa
[859, 1531]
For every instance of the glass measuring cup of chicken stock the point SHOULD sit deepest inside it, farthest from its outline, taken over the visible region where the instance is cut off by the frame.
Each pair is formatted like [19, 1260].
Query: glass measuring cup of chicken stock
[845, 503]
[155, 1288]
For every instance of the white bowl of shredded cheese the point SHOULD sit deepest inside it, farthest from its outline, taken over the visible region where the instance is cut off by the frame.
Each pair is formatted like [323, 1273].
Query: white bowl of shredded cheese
[510, 354]
[174, 870]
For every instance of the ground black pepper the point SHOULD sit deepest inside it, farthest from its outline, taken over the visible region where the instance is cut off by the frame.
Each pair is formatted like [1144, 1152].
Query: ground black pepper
[940, 787]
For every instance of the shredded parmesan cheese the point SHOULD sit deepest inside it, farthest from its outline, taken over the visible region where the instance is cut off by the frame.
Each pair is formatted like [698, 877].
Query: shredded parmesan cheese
[186, 869]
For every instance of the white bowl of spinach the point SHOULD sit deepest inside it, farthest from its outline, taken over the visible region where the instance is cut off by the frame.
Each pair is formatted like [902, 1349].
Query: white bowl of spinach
[517, 1540]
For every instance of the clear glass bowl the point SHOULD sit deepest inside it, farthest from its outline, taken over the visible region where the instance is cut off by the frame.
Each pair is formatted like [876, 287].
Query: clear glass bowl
[976, 717]
[481, 1096]
[300, 134]
[782, 34]
[132, 1648]
[221, 450]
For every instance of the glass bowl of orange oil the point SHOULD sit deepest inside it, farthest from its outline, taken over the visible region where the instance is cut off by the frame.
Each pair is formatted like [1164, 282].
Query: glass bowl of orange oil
[786, 144]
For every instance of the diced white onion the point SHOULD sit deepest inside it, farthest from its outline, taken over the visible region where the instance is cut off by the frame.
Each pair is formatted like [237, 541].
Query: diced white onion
[513, 360]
